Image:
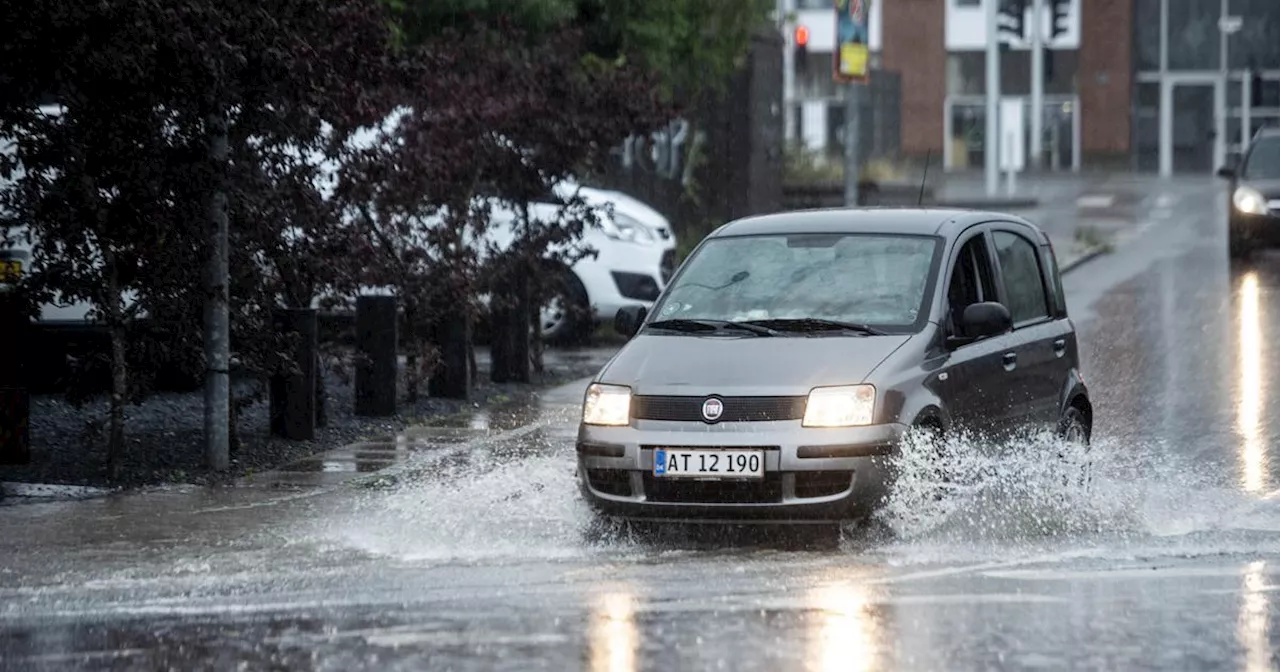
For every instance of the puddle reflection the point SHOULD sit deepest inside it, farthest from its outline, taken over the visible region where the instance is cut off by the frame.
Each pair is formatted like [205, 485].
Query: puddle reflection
[1253, 624]
[849, 632]
[1251, 392]
[613, 638]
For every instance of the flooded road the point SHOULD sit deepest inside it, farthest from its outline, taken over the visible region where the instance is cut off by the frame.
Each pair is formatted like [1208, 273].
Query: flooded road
[476, 552]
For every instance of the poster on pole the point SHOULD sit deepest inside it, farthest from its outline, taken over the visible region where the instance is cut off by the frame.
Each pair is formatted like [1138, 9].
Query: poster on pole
[853, 41]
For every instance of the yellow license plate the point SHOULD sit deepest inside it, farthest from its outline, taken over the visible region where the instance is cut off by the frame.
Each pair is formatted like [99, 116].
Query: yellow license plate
[10, 270]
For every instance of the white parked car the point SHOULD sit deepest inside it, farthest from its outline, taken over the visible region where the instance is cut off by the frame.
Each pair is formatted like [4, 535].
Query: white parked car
[635, 248]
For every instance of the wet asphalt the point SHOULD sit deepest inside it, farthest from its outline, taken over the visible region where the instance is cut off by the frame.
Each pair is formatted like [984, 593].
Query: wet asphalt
[475, 553]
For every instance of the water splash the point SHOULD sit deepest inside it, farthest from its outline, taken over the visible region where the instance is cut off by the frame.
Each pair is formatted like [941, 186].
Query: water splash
[964, 499]
[490, 505]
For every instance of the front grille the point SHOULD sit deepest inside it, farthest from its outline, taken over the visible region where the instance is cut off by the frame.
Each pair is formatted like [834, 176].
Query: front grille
[736, 409]
[686, 491]
[668, 265]
[822, 483]
[610, 481]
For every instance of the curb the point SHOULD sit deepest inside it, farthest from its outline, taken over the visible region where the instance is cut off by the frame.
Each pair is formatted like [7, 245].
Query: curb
[1093, 253]
[988, 203]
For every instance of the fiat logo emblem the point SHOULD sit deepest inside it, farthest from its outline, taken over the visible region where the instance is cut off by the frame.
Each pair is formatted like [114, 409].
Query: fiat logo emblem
[712, 409]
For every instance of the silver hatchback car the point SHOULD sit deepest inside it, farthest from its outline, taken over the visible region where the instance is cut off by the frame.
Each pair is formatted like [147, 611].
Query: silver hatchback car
[790, 354]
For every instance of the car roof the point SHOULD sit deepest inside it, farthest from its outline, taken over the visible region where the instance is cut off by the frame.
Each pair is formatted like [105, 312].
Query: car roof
[945, 222]
[1267, 132]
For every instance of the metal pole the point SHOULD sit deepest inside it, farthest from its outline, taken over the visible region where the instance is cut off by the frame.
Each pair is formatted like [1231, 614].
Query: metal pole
[1037, 81]
[991, 150]
[217, 331]
[788, 71]
[852, 136]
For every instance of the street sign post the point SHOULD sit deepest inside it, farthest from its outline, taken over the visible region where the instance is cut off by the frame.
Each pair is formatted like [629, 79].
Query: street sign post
[852, 67]
[991, 142]
[1037, 82]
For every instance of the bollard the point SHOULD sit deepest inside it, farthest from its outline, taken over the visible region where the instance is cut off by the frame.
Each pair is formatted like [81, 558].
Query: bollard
[376, 355]
[15, 403]
[293, 397]
[452, 379]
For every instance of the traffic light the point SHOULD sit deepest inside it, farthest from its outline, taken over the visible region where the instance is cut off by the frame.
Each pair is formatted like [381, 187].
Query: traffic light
[1058, 14]
[802, 48]
[1048, 65]
[1013, 18]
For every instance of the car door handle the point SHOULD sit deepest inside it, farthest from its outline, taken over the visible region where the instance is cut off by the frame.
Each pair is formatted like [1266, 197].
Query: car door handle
[1010, 360]
[1060, 347]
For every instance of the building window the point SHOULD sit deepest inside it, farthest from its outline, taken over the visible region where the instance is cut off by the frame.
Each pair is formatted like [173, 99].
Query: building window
[967, 72]
[1146, 35]
[1256, 41]
[1194, 34]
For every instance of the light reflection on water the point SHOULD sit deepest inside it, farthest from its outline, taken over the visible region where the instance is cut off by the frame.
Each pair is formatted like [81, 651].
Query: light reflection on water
[1251, 394]
[850, 635]
[1253, 624]
[613, 638]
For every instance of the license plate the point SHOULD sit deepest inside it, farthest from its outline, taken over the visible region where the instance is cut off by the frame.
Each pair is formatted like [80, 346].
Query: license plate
[669, 463]
[10, 270]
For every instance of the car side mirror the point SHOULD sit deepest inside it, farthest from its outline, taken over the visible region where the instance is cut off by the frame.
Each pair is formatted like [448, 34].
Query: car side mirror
[982, 320]
[1227, 173]
[628, 320]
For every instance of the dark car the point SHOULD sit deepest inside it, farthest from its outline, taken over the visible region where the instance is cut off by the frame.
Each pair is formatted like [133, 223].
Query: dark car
[791, 354]
[1253, 218]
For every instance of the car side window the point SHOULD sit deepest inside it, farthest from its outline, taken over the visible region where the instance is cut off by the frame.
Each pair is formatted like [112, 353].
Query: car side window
[971, 280]
[1023, 281]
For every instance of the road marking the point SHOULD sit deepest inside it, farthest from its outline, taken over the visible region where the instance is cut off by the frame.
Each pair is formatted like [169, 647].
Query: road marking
[1096, 201]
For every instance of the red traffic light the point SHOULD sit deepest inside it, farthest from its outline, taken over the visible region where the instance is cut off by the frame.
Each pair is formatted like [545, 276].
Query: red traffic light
[802, 36]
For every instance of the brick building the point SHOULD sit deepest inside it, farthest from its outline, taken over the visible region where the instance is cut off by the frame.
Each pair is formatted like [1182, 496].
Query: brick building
[1150, 85]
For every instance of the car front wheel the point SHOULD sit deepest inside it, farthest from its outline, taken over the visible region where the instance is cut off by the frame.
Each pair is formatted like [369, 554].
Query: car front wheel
[1074, 431]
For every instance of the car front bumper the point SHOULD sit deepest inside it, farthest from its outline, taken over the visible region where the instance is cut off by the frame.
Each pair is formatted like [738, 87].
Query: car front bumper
[1261, 230]
[811, 475]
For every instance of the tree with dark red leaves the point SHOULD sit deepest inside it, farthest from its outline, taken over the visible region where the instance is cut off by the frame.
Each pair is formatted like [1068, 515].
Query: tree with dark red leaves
[125, 194]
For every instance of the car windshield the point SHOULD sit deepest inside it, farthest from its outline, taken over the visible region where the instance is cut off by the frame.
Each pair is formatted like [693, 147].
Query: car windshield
[877, 280]
[1264, 161]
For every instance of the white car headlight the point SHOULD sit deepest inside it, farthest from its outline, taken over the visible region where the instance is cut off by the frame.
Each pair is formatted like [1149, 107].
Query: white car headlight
[844, 406]
[608, 405]
[1249, 201]
[622, 227]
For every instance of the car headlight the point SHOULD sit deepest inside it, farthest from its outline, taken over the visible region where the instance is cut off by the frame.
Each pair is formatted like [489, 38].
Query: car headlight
[608, 405]
[845, 406]
[622, 227]
[1249, 201]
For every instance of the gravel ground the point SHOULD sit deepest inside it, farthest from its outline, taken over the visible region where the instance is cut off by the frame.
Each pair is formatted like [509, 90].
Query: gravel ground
[165, 433]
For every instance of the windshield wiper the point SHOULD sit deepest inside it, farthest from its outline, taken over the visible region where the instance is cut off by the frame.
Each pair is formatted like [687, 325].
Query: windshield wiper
[817, 324]
[684, 324]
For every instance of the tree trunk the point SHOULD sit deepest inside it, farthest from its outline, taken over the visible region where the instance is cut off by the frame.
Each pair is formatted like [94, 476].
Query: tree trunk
[504, 318]
[119, 368]
[217, 337]
[412, 359]
[322, 418]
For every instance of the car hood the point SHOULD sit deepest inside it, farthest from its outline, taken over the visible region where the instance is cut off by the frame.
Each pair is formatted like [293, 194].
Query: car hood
[1268, 188]
[687, 365]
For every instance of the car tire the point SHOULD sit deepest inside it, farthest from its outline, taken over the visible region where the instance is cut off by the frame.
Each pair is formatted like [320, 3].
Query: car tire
[565, 316]
[1074, 429]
